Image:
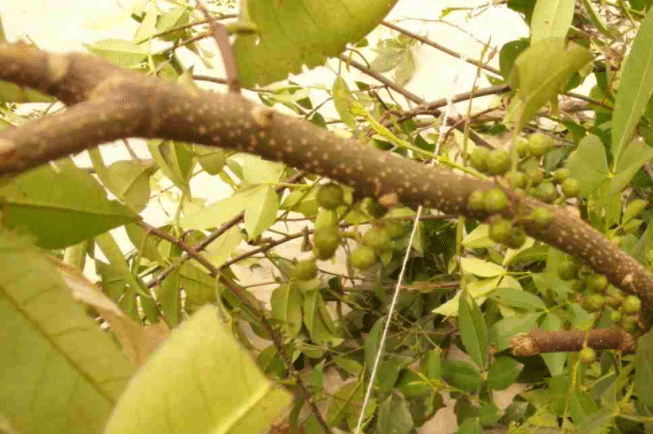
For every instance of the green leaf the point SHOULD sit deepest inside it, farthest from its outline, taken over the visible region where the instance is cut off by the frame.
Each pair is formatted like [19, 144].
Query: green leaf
[110, 248]
[219, 212]
[169, 296]
[644, 369]
[479, 238]
[473, 330]
[372, 342]
[221, 249]
[471, 425]
[635, 88]
[348, 365]
[508, 55]
[259, 171]
[211, 159]
[519, 299]
[122, 53]
[286, 304]
[208, 374]
[175, 159]
[462, 375]
[318, 324]
[10, 92]
[145, 242]
[296, 33]
[481, 268]
[342, 99]
[406, 69]
[131, 183]
[589, 164]
[347, 403]
[71, 201]
[632, 159]
[432, 365]
[59, 371]
[551, 19]
[536, 85]
[261, 211]
[394, 416]
[503, 372]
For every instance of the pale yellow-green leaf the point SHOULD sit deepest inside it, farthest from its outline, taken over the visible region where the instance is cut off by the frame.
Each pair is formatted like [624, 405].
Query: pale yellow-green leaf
[551, 19]
[59, 372]
[200, 381]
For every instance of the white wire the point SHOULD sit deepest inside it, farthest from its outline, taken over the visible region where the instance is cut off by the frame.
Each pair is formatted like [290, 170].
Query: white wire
[400, 279]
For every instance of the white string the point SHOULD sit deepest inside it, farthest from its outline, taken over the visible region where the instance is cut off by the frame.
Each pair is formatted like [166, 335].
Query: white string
[400, 279]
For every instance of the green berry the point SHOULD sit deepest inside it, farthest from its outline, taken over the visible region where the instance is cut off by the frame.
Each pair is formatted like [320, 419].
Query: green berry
[395, 229]
[567, 271]
[378, 239]
[516, 179]
[478, 158]
[362, 257]
[305, 270]
[535, 175]
[329, 196]
[541, 218]
[570, 187]
[498, 162]
[632, 304]
[539, 143]
[516, 239]
[615, 316]
[500, 230]
[561, 174]
[597, 283]
[594, 302]
[587, 355]
[522, 147]
[546, 192]
[495, 201]
[476, 201]
[326, 240]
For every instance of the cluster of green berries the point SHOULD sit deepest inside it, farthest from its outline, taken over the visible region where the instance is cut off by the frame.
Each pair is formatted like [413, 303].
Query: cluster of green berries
[597, 294]
[529, 176]
[377, 240]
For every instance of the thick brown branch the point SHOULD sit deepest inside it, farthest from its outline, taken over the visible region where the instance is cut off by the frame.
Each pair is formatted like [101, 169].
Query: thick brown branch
[540, 341]
[153, 108]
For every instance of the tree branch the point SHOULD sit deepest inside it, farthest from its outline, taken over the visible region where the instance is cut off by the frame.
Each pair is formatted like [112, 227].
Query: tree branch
[119, 103]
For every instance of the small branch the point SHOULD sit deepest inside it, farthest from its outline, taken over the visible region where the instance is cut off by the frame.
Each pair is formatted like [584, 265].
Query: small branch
[540, 341]
[221, 37]
[441, 48]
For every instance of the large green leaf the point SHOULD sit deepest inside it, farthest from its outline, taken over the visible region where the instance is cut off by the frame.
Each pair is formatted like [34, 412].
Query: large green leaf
[537, 85]
[60, 373]
[589, 164]
[473, 330]
[551, 19]
[635, 87]
[644, 369]
[199, 381]
[293, 33]
[61, 206]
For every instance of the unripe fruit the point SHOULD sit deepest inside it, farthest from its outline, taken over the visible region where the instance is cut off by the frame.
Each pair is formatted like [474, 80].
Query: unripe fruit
[516, 179]
[539, 143]
[362, 257]
[305, 270]
[535, 175]
[629, 324]
[541, 218]
[478, 158]
[594, 302]
[615, 316]
[516, 239]
[476, 201]
[587, 355]
[546, 192]
[326, 240]
[632, 304]
[522, 147]
[329, 196]
[378, 239]
[561, 174]
[570, 187]
[597, 282]
[498, 162]
[495, 201]
[567, 270]
[395, 230]
[500, 230]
